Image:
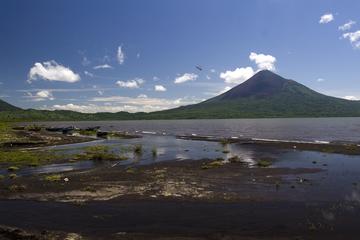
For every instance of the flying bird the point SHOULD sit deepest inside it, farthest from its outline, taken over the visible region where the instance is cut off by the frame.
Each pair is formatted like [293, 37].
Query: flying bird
[199, 68]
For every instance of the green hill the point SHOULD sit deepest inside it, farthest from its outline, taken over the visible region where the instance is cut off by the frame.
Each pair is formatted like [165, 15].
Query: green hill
[4, 106]
[266, 94]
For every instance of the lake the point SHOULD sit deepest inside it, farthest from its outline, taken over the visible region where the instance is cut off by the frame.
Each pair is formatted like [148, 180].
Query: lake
[304, 129]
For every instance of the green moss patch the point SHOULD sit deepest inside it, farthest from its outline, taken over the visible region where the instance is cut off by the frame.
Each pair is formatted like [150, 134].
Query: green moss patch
[27, 157]
[213, 164]
[53, 178]
[265, 162]
[99, 153]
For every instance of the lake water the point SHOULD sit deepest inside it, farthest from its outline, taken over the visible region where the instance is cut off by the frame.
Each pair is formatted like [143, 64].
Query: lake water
[304, 129]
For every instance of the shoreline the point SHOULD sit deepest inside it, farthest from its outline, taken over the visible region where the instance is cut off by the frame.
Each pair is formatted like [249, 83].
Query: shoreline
[190, 199]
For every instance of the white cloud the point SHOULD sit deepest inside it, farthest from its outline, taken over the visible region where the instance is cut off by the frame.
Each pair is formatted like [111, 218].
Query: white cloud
[347, 26]
[52, 71]
[88, 74]
[160, 88]
[213, 70]
[120, 55]
[326, 18]
[320, 80]
[354, 38]
[208, 77]
[227, 88]
[138, 55]
[45, 94]
[239, 75]
[155, 78]
[67, 90]
[142, 103]
[134, 83]
[263, 62]
[100, 93]
[104, 66]
[352, 98]
[185, 78]
[40, 96]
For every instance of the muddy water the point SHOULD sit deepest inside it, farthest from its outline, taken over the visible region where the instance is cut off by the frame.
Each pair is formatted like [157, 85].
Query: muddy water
[118, 219]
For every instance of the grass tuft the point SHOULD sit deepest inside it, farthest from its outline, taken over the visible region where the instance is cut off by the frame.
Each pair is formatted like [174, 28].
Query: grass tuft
[53, 178]
[154, 152]
[13, 168]
[213, 164]
[138, 149]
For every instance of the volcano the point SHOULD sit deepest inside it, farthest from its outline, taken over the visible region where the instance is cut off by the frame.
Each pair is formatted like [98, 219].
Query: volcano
[267, 94]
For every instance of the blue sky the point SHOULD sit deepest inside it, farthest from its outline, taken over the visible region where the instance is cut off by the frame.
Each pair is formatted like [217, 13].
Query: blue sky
[137, 55]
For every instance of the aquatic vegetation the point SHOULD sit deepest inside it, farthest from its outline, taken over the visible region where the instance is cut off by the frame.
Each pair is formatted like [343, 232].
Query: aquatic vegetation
[53, 178]
[125, 149]
[138, 149]
[6, 133]
[131, 170]
[13, 168]
[213, 164]
[33, 128]
[154, 152]
[122, 135]
[27, 157]
[99, 153]
[265, 162]
[98, 156]
[97, 148]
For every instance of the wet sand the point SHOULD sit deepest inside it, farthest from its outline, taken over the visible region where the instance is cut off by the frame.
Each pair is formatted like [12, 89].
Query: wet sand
[178, 200]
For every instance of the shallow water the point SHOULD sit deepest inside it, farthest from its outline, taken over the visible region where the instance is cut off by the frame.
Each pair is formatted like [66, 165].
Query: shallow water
[338, 180]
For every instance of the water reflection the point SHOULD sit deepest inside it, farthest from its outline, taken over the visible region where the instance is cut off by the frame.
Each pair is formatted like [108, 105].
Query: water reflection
[338, 179]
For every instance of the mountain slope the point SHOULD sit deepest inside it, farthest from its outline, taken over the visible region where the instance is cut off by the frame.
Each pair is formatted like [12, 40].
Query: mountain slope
[4, 106]
[267, 94]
